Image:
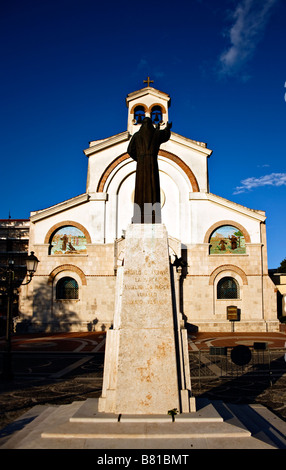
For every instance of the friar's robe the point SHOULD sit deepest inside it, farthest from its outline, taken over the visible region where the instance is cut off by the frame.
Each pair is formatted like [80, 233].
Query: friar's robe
[144, 148]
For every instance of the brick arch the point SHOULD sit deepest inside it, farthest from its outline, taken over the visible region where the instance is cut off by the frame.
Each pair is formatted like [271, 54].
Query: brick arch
[162, 153]
[64, 223]
[67, 267]
[228, 267]
[184, 167]
[139, 104]
[146, 109]
[157, 104]
[226, 222]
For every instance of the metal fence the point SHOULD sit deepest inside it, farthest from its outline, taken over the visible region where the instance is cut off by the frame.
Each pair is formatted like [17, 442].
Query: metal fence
[237, 361]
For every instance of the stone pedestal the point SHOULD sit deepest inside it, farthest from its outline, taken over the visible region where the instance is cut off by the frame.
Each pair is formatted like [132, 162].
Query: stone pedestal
[146, 368]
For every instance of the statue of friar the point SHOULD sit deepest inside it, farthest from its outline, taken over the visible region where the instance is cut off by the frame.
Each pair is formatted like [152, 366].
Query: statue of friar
[143, 148]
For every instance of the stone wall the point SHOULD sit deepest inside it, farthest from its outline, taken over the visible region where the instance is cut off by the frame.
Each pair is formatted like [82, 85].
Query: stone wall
[256, 300]
[93, 310]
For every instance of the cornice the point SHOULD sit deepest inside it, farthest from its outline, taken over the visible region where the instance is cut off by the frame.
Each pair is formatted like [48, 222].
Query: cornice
[254, 214]
[62, 206]
[97, 146]
[190, 143]
[147, 91]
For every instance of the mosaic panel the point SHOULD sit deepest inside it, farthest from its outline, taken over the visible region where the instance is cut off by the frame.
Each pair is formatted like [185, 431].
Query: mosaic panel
[68, 240]
[227, 240]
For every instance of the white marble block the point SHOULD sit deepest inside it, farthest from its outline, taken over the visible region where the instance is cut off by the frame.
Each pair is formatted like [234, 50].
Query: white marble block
[141, 358]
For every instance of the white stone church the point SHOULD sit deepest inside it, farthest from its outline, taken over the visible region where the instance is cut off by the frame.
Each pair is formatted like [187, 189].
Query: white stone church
[223, 282]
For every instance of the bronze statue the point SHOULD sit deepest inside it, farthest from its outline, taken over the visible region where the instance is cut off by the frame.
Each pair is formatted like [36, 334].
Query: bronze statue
[143, 148]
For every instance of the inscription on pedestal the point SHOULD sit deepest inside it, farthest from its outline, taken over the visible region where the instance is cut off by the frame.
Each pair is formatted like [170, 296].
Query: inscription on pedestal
[142, 291]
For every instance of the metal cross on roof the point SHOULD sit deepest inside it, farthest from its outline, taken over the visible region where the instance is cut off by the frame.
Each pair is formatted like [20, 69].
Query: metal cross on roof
[148, 81]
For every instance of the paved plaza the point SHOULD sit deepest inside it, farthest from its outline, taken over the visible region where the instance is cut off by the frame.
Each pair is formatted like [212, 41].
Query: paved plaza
[64, 368]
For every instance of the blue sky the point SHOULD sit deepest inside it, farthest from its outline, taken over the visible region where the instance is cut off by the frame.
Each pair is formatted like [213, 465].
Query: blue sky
[67, 66]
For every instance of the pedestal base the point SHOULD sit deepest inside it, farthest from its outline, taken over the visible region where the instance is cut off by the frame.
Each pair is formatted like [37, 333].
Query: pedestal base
[145, 367]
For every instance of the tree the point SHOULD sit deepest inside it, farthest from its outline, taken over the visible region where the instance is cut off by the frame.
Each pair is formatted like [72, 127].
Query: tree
[282, 267]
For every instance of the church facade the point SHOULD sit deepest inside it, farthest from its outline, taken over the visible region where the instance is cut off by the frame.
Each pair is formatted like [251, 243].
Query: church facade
[219, 246]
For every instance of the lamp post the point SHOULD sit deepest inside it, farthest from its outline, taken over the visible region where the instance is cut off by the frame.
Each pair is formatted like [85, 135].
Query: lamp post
[32, 264]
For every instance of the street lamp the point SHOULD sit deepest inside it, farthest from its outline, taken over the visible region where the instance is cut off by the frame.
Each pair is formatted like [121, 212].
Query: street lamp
[32, 264]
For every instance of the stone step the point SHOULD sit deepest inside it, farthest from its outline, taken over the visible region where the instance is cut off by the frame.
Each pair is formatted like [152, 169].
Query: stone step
[15, 431]
[88, 423]
[89, 413]
[144, 430]
[43, 417]
[215, 425]
[204, 429]
[262, 424]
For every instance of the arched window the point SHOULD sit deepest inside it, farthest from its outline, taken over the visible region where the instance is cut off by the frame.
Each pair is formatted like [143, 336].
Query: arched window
[156, 114]
[67, 288]
[139, 114]
[227, 288]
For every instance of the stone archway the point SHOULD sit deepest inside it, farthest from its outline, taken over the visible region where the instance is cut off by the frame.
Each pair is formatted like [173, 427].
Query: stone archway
[111, 167]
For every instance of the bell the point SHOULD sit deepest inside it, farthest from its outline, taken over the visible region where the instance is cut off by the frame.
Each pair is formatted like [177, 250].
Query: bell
[157, 117]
